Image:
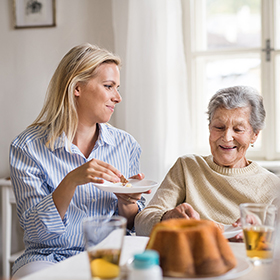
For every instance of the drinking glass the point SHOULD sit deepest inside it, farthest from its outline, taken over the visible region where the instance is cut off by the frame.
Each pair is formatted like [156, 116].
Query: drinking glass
[259, 224]
[104, 238]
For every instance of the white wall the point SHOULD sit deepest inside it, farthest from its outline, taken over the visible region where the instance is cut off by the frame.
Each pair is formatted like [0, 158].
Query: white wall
[28, 58]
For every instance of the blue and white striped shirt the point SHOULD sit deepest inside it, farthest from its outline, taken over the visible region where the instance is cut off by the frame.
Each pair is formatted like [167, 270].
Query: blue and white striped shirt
[35, 173]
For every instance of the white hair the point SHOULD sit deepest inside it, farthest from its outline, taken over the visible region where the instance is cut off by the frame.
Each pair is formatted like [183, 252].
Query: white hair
[239, 97]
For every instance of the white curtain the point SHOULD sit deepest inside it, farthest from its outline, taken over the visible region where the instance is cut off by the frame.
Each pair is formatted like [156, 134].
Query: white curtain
[155, 108]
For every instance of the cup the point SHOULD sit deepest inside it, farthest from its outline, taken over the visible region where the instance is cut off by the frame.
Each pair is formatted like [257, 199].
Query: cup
[104, 239]
[259, 226]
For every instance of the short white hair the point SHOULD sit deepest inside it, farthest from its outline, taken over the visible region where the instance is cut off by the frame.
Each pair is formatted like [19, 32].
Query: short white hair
[239, 97]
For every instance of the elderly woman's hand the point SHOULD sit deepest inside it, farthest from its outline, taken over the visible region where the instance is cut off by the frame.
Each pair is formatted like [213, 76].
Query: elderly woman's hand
[250, 219]
[239, 236]
[183, 210]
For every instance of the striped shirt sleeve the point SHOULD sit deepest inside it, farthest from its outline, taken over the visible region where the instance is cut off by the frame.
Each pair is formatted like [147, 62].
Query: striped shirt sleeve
[35, 207]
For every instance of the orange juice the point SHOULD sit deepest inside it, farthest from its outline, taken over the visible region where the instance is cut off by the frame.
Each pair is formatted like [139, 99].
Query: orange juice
[104, 264]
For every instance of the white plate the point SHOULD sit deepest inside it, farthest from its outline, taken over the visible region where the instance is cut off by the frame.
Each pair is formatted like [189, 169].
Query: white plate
[230, 231]
[243, 267]
[138, 186]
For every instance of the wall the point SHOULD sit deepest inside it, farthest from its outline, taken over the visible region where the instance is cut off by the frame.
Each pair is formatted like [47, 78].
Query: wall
[28, 58]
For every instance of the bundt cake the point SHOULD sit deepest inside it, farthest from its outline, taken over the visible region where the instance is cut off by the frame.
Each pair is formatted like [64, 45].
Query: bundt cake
[191, 248]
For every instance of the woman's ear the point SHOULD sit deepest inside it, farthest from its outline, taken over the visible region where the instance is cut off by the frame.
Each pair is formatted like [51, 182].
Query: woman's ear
[255, 137]
[77, 91]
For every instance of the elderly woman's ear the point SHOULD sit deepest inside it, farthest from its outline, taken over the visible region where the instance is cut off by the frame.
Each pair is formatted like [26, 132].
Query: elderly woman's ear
[255, 137]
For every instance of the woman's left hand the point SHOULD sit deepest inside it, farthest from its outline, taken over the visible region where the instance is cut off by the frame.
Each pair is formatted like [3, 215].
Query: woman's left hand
[128, 207]
[250, 219]
[131, 198]
[239, 236]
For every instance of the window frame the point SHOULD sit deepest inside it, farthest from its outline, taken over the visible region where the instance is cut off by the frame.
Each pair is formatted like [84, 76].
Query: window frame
[194, 8]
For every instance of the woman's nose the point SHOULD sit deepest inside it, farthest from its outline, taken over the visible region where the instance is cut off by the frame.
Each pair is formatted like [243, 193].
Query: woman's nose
[228, 135]
[117, 97]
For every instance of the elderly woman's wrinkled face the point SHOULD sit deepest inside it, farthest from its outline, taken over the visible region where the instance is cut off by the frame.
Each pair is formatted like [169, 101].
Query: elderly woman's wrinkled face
[230, 136]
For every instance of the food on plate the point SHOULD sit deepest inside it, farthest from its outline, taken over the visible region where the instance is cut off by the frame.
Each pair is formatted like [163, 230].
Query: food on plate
[191, 248]
[124, 181]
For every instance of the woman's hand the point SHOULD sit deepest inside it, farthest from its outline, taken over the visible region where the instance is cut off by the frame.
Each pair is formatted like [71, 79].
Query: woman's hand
[139, 176]
[183, 210]
[94, 171]
[239, 236]
[250, 219]
[128, 207]
[131, 198]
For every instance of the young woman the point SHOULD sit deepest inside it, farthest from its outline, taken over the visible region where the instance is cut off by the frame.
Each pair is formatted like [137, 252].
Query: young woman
[70, 146]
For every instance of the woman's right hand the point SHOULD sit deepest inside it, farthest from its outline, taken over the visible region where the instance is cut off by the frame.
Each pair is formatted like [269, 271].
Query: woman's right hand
[94, 171]
[183, 210]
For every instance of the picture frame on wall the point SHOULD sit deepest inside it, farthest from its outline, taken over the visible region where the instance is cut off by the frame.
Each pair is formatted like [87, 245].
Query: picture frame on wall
[34, 13]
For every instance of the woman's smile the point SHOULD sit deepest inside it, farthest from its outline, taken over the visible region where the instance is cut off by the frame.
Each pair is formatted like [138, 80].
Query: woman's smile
[228, 148]
[111, 108]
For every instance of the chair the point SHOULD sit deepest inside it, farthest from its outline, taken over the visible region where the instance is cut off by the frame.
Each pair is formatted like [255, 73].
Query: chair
[8, 199]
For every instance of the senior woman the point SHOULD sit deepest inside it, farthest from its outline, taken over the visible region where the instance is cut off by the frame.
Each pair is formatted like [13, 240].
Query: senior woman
[212, 187]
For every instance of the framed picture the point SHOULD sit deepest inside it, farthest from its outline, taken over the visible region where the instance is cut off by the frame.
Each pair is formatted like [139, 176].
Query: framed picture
[34, 13]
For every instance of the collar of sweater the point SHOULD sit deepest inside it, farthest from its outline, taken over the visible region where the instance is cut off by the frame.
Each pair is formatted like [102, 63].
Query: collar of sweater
[252, 168]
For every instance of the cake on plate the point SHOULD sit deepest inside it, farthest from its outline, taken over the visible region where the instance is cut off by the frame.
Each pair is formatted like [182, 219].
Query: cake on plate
[191, 248]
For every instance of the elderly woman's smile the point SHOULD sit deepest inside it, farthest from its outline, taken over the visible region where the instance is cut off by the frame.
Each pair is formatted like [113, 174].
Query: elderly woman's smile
[230, 136]
[227, 148]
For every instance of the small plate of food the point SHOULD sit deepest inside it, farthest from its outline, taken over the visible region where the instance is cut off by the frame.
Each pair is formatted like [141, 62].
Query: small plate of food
[128, 186]
[231, 231]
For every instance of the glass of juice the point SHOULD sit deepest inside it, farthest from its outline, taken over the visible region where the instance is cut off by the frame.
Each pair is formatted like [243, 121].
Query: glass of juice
[104, 238]
[259, 225]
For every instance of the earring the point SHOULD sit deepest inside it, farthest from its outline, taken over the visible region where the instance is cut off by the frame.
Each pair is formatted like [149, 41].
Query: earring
[252, 145]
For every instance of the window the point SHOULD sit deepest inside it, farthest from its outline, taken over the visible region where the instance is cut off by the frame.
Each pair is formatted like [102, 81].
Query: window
[228, 43]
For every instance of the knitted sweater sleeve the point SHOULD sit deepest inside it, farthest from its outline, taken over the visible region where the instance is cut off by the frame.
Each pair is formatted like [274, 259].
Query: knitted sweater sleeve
[170, 194]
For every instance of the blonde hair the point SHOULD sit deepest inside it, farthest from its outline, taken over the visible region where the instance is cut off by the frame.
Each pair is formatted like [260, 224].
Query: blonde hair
[59, 112]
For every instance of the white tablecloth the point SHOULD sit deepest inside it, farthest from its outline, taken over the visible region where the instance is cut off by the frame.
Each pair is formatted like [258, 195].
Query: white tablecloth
[77, 267]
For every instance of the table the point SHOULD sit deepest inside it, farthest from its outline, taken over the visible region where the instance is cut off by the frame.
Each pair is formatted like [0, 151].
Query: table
[77, 267]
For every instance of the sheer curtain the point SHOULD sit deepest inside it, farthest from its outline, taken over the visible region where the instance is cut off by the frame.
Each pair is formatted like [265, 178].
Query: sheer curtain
[155, 108]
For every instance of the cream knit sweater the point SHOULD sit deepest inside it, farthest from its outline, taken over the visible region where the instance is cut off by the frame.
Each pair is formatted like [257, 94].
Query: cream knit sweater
[215, 192]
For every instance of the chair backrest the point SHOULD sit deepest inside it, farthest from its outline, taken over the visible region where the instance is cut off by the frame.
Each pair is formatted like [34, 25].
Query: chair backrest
[8, 199]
